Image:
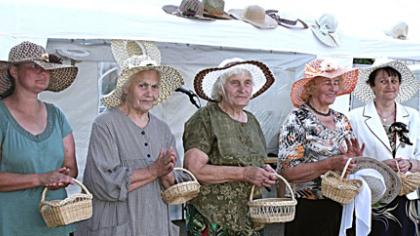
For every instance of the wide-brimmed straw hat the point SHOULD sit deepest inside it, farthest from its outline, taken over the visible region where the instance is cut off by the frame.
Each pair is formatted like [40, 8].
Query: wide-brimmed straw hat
[409, 85]
[324, 68]
[262, 76]
[61, 76]
[391, 179]
[170, 79]
[375, 182]
[290, 23]
[124, 49]
[254, 15]
[190, 9]
[324, 30]
[215, 9]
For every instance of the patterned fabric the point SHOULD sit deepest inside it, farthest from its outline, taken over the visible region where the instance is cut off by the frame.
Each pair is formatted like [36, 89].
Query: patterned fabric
[304, 139]
[229, 143]
[392, 139]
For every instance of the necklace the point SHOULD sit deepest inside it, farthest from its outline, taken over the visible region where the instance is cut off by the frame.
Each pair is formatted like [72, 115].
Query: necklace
[386, 118]
[318, 112]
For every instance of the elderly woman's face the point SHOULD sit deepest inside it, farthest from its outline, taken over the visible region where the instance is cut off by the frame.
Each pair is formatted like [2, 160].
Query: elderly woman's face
[325, 90]
[143, 90]
[30, 76]
[238, 90]
[386, 86]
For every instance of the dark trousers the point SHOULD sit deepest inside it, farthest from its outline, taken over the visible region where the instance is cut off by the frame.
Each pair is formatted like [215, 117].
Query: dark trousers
[315, 217]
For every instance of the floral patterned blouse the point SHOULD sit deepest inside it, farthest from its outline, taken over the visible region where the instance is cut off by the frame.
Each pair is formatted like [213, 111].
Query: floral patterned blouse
[304, 139]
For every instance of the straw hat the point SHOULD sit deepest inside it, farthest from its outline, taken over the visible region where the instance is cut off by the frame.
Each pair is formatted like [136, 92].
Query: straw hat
[398, 31]
[325, 30]
[215, 9]
[408, 88]
[375, 182]
[190, 9]
[61, 76]
[170, 79]
[290, 23]
[391, 179]
[262, 77]
[254, 15]
[324, 68]
[124, 49]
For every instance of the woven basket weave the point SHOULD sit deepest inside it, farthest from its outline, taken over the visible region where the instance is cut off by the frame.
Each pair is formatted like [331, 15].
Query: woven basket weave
[409, 181]
[75, 208]
[182, 192]
[272, 210]
[339, 189]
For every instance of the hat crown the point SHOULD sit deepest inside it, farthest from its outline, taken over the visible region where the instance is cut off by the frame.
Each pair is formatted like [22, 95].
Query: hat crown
[215, 7]
[328, 23]
[138, 61]
[191, 7]
[255, 13]
[399, 31]
[27, 51]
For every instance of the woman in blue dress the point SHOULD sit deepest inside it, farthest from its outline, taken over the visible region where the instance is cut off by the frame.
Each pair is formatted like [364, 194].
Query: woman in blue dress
[36, 142]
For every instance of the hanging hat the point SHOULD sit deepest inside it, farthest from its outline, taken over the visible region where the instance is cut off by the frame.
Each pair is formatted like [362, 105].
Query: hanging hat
[409, 85]
[61, 76]
[398, 31]
[215, 9]
[391, 179]
[190, 9]
[324, 68]
[254, 15]
[170, 79]
[325, 30]
[124, 49]
[375, 182]
[286, 22]
[261, 75]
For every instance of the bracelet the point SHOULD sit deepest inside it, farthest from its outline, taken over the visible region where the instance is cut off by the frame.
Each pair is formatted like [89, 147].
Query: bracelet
[411, 165]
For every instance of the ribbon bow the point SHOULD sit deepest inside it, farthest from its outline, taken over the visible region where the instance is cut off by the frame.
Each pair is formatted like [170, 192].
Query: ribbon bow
[401, 130]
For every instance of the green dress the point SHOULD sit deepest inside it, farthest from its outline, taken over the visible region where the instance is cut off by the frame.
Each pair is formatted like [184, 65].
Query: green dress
[25, 153]
[227, 142]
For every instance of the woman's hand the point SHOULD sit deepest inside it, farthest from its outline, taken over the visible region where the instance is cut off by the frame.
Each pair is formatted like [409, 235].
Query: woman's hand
[399, 164]
[164, 164]
[56, 179]
[338, 163]
[259, 176]
[353, 148]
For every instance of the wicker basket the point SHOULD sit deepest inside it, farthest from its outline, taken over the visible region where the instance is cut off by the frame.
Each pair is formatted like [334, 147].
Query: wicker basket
[335, 187]
[409, 181]
[182, 192]
[272, 210]
[75, 208]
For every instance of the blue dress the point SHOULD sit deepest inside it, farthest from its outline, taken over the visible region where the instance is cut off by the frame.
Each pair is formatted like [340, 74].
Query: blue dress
[24, 153]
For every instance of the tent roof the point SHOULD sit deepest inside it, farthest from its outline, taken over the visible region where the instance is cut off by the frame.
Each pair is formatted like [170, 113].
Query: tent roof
[361, 29]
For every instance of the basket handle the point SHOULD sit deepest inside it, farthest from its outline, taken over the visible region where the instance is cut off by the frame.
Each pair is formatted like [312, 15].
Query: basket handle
[44, 192]
[251, 196]
[345, 168]
[186, 171]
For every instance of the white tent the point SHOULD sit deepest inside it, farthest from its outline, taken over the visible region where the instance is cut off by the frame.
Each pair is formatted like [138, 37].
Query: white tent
[86, 26]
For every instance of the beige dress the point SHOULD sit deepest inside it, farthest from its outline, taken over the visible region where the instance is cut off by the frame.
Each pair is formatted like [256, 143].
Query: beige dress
[117, 147]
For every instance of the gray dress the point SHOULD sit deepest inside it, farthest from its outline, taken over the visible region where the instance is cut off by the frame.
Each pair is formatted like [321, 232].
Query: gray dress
[117, 147]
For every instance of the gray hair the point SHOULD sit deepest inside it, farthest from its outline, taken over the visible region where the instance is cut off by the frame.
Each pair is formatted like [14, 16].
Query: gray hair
[218, 91]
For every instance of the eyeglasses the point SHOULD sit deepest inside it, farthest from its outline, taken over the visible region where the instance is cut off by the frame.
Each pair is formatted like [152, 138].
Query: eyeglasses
[31, 66]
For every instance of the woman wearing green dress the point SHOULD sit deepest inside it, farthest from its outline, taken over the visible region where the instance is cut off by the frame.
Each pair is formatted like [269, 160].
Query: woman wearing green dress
[225, 149]
[37, 145]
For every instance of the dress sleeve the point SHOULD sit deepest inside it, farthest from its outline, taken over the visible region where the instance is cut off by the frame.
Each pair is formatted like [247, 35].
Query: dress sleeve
[63, 122]
[291, 142]
[416, 127]
[197, 133]
[105, 175]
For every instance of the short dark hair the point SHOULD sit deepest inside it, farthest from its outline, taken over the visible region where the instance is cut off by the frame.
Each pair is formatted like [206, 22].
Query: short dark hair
[388, 70]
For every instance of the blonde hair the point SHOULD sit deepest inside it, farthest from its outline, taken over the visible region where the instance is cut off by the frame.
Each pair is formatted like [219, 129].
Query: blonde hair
[218, 91]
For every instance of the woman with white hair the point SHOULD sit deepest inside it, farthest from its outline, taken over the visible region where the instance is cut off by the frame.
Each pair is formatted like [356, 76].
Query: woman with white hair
[132, 154]
[225, 148]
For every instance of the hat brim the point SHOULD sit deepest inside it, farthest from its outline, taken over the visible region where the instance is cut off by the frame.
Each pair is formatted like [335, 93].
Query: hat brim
[325, 38]
[391, 179]
[124, 49]
[409, 85]
[348, 83]
[174, 10]
[61, 76]
[262, 77]
[223, 16]
[170, 79]
[295, 24]
[269, 23]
